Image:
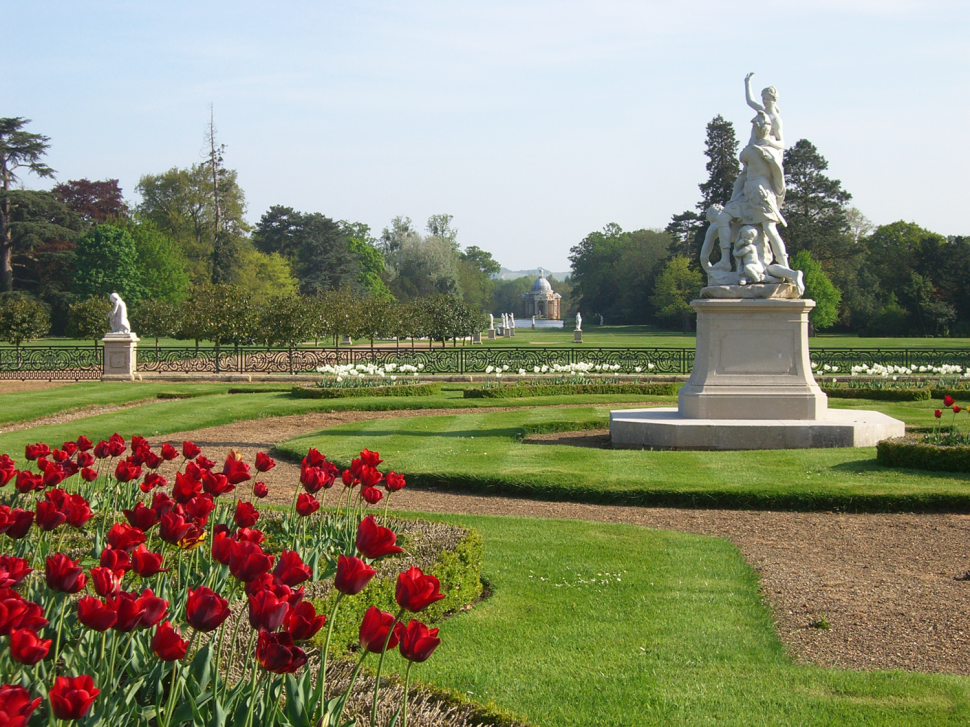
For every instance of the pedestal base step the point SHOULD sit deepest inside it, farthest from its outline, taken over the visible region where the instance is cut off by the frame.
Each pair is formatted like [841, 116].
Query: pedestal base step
[664, 428]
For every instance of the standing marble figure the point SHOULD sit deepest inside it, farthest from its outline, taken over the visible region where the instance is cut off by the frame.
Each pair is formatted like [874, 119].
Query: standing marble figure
[579, 321]
[118, 317]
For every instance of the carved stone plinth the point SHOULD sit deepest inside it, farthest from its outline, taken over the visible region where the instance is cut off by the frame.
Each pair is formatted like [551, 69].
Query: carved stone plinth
[752, 362]
[120, 356]
[577, 336]
[346, 341]
[477, 337]
[491, 334]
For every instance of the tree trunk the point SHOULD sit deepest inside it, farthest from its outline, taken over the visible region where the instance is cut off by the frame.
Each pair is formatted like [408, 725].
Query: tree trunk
[6, 243]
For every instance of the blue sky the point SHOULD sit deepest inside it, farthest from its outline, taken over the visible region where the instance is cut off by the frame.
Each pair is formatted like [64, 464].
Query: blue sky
[532, 122]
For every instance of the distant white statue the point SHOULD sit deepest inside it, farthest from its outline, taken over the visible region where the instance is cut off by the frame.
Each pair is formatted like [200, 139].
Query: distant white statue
[579, 321]
[601, 319]
[511, 320]
[491, 322]
[118, 317]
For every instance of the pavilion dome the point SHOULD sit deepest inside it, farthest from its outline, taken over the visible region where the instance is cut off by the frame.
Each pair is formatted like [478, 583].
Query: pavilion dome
[541, 285]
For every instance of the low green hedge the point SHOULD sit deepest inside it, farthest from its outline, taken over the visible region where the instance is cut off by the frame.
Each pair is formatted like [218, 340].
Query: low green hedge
[912, 454]
[519, 391]
[958, 394]
[320, 392]
[458, 570]
[922, 394]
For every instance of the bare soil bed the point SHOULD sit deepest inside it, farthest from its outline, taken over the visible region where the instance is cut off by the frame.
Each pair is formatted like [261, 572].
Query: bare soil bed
[885, 584]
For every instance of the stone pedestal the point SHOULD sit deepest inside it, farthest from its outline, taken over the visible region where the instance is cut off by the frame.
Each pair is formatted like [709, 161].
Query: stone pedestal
[120, 356]
[506, 332]
[491, 334]
[577, 336]
[752, 362]
[477, 337]
[346, 341]
[512, 332]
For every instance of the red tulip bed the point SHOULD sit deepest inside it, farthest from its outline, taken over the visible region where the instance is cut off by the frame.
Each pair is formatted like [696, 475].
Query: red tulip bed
[946, 448]
[119, 564]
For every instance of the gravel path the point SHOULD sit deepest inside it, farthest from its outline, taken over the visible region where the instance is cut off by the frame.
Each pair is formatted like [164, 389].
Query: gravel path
[885, 584]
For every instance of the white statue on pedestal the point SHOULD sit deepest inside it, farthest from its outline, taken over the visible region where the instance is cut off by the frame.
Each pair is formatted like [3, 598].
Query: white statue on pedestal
[579, 321]
[491, 322]
[511, 320]
[747, 226]
[118, 317]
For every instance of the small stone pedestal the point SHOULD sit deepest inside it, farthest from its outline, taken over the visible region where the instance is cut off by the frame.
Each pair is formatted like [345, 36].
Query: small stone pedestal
[577, 336]
[120, 356]
[346, 341]
[477, 337]
[491, 334]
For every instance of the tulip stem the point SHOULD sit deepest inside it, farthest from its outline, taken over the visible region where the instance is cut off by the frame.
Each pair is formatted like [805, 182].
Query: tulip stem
[350, 686]
[171, 695]
[380, 665]
[407, 684]
[252, 695]
[60, 629]
[322, 676]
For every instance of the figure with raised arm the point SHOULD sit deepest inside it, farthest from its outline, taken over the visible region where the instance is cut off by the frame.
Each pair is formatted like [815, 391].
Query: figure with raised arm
[118, 317]
[769, 107]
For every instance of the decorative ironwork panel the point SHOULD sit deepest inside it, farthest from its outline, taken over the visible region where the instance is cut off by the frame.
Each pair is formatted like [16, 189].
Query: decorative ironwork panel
[52, 363]
[911, 358]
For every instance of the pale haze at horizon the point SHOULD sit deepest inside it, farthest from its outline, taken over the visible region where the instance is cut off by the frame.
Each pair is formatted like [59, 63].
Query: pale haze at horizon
[533, 123]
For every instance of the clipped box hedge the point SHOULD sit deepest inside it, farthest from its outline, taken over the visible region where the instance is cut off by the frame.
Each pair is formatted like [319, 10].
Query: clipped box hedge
[910, 453]
[921, 394]
[459, 571]
[320, 392]
[519, 391]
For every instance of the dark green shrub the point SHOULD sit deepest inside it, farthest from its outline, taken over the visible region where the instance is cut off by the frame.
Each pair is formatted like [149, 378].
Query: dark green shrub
[922, 394]
[526, 390]
[303, 392]
[909, 453]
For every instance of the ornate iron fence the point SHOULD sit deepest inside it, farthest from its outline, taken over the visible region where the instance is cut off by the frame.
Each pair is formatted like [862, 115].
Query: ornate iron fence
[52, 363]
[85, 362]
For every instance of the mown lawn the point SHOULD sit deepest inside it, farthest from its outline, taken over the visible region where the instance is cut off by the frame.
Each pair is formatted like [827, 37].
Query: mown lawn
[483, 452]
[596, 624]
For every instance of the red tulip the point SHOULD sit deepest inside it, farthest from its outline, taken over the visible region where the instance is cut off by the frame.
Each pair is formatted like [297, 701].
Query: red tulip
[314, 459]
[49, 515]
[394, 482]
[247, 561]
[28, 482]
[106, 581]
[16, 706]
[173, 527]
[141, 517]
[126, 471]
[12, 570]
[371, 459]
[145, 563]
[276, 653]
[245, 515]
[167, 643]
[937, 413]
[59, 455]
[266, 611]
[418, 642]
[249, 535]
[373, 541]
[204, 463]
[347, 477]
[72, 697]
[374, 629]
[190, 450]
[264, 463]
[956, 409]
[291, 570]
[162, 504]
[153, 606]
[372, 495]
[124, 537]
[116, 560]
[84, 444]
[33, 451]
[96, 615]
[205, 609]
[88, 474]
[353, 575]
[152, 460]
[63, 574]
[101, 450]
[186, 487]
[27, 648]
[199, 507]
[18, 613]
[948, 401]
[216, 484]
[260, 490]
[221, 546]
[369, 477]
[303, 622]
[78, 511]
[169, 452]
[306, 504]
[235, 470]
[130, 611]
[22, 520]
[416, 591]
[313, 479]
[7, 474]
